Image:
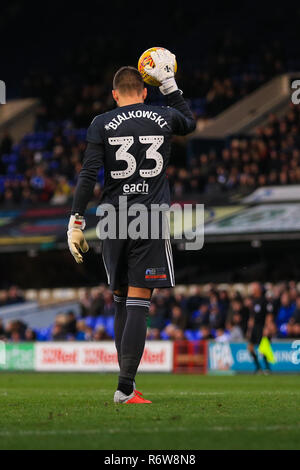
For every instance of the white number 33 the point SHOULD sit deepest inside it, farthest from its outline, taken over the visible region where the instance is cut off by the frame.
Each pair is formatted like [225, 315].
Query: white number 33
[151, 153]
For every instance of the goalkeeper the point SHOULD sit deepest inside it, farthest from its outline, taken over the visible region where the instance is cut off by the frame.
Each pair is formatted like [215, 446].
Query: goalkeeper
[132, 142]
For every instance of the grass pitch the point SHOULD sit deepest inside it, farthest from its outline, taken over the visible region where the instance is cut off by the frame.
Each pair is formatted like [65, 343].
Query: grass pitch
[75, 411]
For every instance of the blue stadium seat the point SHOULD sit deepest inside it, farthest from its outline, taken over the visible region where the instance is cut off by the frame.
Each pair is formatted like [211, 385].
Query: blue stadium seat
[43, 334]
[190, 335]
[90, 322]
[11, 169]
[54, 165]
[5, 158]
[109, 326]
[16, 148]
[47, 155]
[164, 335]
[100, 322]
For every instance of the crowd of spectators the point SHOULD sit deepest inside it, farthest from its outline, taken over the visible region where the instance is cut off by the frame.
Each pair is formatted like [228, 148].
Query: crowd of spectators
[48, 166]
[219, 313]
[11, 296]
[42, 169]
[271, 157]
[210, 84]
[220, 69]
[229, 67]
[220, 59]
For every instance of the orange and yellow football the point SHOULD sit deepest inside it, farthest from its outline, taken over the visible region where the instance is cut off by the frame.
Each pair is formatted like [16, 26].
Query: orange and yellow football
[145, 60]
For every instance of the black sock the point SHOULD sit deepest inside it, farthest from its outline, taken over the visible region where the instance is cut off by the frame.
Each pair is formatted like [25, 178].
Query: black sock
[133, 341]
[120, 321]
[267, 364]
[254, 355]
[125, 385]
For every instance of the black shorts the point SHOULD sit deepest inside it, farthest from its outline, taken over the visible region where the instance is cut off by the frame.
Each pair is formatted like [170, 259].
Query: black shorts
[257, 334]
[138, 263]
[142, 262]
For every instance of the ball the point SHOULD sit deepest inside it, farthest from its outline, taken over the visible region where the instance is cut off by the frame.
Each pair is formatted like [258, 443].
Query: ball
[146, 60]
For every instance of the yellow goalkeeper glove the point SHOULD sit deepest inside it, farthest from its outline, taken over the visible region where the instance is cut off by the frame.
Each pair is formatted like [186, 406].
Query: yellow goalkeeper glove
[76, 240]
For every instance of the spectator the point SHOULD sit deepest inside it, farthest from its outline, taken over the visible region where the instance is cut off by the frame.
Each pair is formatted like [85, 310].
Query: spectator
[293, 326]
[109, 306]
[100, 334]
[15, 336]
[14, 296]
[178, 318]
[71, 323]
[58, 333]
[205, 333]
[238, 315]
[285, 312]
[30, 335]
[222, 336]
[82, 330]
[2, 330]
[6, 143]
[201, 316]
[156, 321]
[235, 332]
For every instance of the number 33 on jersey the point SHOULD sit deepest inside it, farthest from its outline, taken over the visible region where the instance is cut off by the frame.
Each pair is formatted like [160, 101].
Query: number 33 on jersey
[122, 154]
[133, 144]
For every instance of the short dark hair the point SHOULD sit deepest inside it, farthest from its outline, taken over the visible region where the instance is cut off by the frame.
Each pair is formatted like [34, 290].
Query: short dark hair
[128, 81]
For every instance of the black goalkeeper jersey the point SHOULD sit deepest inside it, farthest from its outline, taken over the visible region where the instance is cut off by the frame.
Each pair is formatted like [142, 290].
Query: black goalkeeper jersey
[133, 144]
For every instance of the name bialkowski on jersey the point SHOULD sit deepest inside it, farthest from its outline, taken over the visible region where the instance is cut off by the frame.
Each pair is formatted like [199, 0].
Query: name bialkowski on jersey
[114, 123]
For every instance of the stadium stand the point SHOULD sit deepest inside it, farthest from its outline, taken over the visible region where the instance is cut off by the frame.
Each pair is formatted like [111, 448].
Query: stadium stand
[221, 312]
[45, 166]
[244, 163]
[42, 168]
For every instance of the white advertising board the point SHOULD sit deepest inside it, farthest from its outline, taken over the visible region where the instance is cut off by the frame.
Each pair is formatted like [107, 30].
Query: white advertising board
[99, 356]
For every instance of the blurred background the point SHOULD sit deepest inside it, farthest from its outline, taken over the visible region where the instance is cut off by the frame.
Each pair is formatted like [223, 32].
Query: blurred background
[237, 64]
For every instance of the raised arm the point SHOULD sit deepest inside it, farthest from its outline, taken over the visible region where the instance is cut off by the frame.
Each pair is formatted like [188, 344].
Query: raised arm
[182, 119]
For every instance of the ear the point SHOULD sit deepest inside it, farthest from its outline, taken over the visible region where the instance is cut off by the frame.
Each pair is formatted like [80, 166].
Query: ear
[115, 95]
[145, 92]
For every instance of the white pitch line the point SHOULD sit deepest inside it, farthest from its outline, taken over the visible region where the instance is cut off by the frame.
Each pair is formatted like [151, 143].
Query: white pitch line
[229, 392]
[57, 432]
[209, 393]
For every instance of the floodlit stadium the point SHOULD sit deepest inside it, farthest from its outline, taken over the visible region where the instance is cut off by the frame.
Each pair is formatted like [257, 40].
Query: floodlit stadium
[195, 313]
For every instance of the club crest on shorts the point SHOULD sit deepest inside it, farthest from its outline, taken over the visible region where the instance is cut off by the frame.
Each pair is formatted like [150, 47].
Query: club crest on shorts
[155, 273]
